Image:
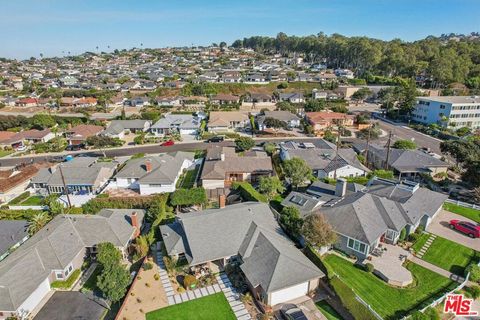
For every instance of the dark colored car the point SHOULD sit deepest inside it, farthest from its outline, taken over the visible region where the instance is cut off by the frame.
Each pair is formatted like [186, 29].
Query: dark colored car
[468, 228]
[75, 147]
[168, 143]
[216, 139]
[292, 312]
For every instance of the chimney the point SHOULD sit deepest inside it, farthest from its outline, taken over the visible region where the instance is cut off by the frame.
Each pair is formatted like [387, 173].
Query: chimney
[134, 219]
[222, 200]
[148, 165]
[341, 187]
[222, 156]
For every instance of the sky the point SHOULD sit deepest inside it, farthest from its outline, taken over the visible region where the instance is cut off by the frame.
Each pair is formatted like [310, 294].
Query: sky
[51, 27]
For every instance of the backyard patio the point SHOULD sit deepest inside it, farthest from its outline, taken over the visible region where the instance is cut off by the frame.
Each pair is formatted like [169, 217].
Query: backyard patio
[389, 265]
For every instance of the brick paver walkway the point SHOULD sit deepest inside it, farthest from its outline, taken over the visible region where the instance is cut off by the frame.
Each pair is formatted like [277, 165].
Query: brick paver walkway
[427, 245]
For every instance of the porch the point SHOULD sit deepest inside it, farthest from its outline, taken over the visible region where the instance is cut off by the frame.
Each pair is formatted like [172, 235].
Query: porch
[388, 261]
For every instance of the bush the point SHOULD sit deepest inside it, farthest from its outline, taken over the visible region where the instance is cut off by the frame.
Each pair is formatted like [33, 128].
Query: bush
[413, 237]
[156, 277]
[7, 214]
[147, 266]
[347, 297]
[66, 284]
[403, 235]
[369, 267]
[248, 192]
[93, 206]
[384, 174]
[474, 292]
[474, 270]
[189, 281]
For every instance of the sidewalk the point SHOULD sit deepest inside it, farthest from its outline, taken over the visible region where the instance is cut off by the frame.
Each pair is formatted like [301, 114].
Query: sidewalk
[436, 269]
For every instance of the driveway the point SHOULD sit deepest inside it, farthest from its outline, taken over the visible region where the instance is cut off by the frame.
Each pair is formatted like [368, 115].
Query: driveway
[306, 304]
[439, 226]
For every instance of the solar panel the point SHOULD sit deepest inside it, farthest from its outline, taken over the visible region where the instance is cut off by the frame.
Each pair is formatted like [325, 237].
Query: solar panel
[298, 200]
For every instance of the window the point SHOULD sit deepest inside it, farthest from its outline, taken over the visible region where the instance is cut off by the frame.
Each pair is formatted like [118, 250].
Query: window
[390, 235]
[356, 245]
[59, 275]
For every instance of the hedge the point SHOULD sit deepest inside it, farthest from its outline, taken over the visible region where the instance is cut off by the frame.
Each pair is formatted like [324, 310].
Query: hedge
[347, 296]
[317, 260]
[66, 284]
[20, 198]
[248, 192]
[93, 206]
[7, 214]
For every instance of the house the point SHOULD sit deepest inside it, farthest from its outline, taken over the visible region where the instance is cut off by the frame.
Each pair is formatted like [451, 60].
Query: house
[27, 102]
[248, 235]
[118, 128]
[6, 139]
[184, 124]
[405, 163]
[305, 203]
[222, 98]
[81, 175]
[223, 166]
[322, 120]
[294, 97]
[33, 136]
[154, 174]
[292, 120]
[256, 78]
[138, 102]
[12, 234]
[258, 98]
[222, 121]
[448, 111]
[377, 213]
[344, 73]
[321, 156]
[13, 182]
[56, 251]
[317, 94]
[80, 133]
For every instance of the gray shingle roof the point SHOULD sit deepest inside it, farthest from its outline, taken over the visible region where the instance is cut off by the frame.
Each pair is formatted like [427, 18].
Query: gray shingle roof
[182, 121]
[165, 168]
[55, 246]
[250, 230]
[11, 233]
[118, 126]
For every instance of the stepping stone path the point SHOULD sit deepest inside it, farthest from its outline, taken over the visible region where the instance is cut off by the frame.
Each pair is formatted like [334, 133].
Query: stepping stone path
[427, 245]
[233, 297]
[224, 285]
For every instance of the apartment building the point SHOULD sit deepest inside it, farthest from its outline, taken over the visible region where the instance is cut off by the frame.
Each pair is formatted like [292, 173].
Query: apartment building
[448, 111]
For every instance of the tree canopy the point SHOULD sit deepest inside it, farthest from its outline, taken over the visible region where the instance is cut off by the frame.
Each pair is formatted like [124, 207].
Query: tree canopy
[404, 144]
[317, 231]
[188, 197]
[297, 171]
[270, 186]
[244, 143]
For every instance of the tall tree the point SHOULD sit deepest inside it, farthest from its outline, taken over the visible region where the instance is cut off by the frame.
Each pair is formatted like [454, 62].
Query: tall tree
[317, 231]
[37, 222]
[270, 186]
[297, 171]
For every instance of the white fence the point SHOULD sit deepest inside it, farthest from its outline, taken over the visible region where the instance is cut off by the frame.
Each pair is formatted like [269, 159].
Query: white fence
[463, 204]
[368, 306]
[28, 207]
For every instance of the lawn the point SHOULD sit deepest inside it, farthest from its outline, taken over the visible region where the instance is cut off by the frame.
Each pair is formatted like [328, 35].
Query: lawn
[388, 301]
[4, 153]
[449, 255]
[189, 178]
[420, 242]
[214, 306]
[91, 283]
[328, 311]
[469, 213]
[33, 201]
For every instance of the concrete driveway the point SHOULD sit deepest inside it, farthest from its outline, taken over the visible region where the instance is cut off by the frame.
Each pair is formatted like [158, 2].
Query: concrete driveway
[439, 226]
[306, 304]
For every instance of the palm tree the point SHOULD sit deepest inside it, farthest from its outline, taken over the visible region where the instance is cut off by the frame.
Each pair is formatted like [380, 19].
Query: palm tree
[37, 222]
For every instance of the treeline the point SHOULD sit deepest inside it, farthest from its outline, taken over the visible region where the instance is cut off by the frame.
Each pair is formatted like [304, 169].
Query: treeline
[38, 121]
[443, 62]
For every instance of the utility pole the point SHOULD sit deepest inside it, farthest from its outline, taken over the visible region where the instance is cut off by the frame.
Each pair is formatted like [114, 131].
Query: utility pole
[65, 186]
[368, 145]
[389, 142]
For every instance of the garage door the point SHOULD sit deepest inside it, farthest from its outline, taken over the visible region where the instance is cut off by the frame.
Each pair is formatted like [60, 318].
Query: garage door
[34, 299]
[289, 293]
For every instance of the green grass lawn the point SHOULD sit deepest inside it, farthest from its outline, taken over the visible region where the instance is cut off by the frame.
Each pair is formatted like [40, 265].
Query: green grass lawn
[33, 201]
[189, 178]
[4, 153]
[328, 311]
[91, 283]
[466, 212]
[449, 255]
[388, 301]
[417, 246]
[214, 306]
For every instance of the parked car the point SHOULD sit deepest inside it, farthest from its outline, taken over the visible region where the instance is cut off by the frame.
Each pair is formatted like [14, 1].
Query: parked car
[292, 312]
[75, 147]
[470, 229]
[168, 143]
[216, 139]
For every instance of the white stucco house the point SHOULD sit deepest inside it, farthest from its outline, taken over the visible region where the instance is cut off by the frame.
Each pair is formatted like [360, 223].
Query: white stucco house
[154, 174]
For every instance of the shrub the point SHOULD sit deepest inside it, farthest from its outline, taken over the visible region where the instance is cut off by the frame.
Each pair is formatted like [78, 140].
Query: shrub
[147, 266]
[403, 235]
[156, 277]
[474, 292]
[474, 270]
[189, 281]
[248, 192]
[369, 267]
[413, 237]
